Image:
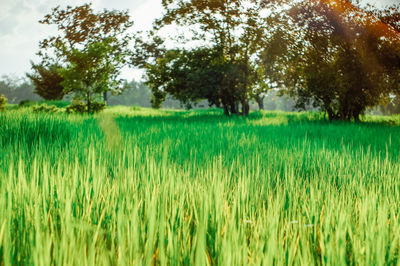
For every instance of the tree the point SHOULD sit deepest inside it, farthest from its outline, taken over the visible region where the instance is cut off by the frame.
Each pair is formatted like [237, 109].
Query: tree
[197, 74]
[90, 72]
[334, 59]
[389, 54]
[47, 81]
[234, 29]
[86, 35]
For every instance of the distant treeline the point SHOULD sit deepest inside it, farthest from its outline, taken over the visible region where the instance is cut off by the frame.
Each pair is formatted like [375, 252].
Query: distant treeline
[19, 90]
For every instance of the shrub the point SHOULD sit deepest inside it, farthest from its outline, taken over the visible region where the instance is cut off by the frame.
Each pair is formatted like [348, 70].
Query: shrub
[79, 107]
[97, 107]
[46, 109]
[76, 106]
[47, 81]
[3, 101]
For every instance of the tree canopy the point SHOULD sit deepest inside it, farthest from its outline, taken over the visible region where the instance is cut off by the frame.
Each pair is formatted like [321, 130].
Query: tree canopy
[92, 48]
[233, 33]
[47, 81]
[337, 57]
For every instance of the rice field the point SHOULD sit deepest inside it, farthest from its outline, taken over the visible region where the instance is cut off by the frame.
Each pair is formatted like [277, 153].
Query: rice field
[145, 187]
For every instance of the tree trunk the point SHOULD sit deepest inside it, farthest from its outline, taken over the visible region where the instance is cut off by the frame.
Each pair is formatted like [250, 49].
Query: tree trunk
[260, 102]
[356, 115]
[245, 108]
[226, 110]
[330, 115]
[105, 97]
[234, 109]
[89, 104]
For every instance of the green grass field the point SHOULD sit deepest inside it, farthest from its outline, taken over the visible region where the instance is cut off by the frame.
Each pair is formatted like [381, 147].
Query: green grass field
[143, 187]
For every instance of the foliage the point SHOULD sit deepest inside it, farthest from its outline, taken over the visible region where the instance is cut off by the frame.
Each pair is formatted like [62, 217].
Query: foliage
[90, 72]
[335, 58]
[276, 187]
[92, 48]
[76, 107]
[81, 26]
[47, 81]
[79, 107]
[235, 29]
[97, 107]
[3, 102]
[191, 76]
[44, 108]
[389, 55]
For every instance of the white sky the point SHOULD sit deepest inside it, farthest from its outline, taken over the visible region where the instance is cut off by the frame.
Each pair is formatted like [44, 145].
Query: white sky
[20, 31]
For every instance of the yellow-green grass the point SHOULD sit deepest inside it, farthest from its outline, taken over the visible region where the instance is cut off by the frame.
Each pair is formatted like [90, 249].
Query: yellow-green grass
[141, 187]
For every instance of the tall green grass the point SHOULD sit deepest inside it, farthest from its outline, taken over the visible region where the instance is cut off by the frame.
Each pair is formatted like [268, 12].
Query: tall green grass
[149, 187]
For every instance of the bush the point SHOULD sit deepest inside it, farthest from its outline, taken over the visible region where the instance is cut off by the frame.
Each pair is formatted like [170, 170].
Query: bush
[97, 107]
[47, 81]
[46, 109]
[79, 107]
[76, 107]
[3, 101]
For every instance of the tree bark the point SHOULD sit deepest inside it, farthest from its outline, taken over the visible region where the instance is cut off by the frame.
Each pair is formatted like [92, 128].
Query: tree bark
[356, 115]
[234, 109]
[105, 97]
[245, 108]
[89, 104]
[260, 102]
[330, 115]
[226, 110]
